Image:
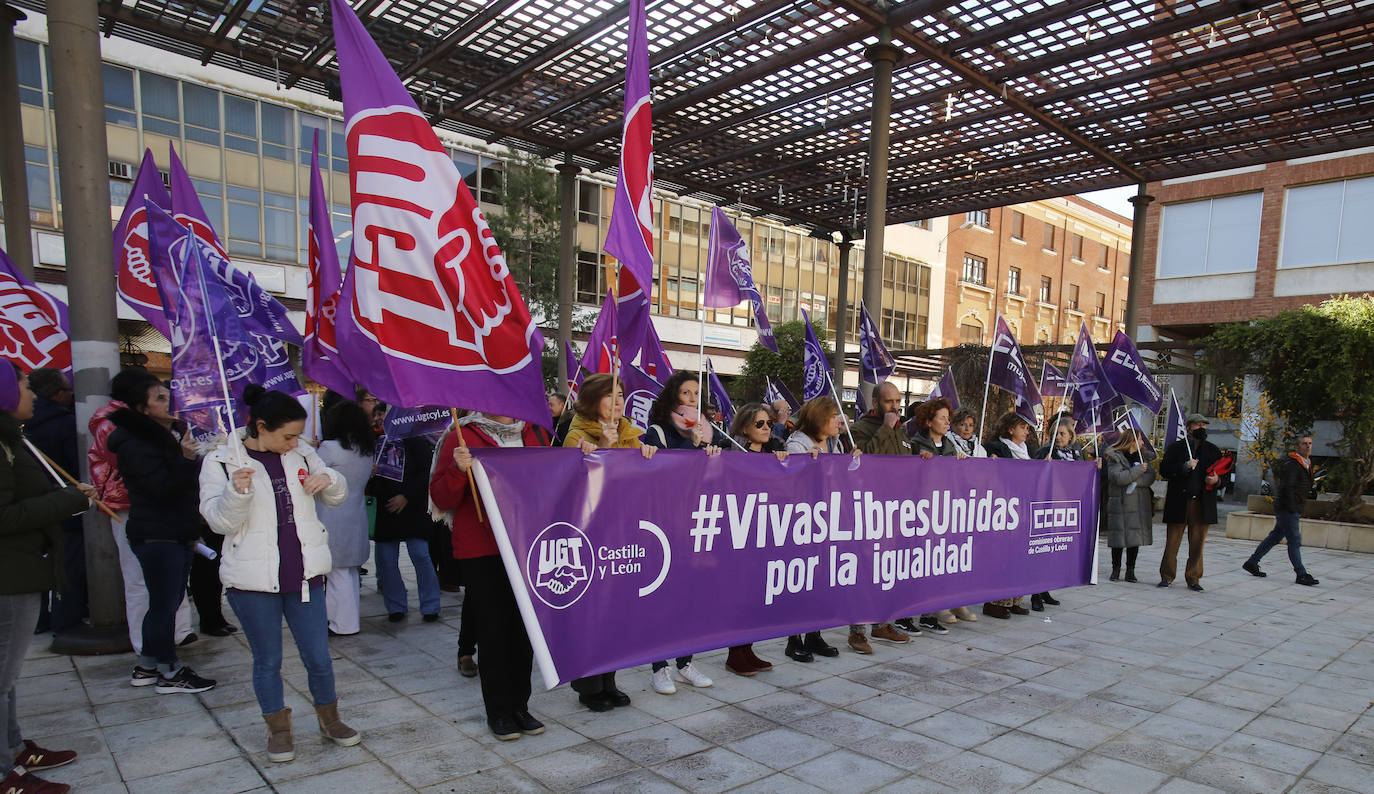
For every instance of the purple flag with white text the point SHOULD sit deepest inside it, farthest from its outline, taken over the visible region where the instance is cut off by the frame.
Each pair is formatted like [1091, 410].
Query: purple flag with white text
[34, 329]
[424, 421]
[874, 360]
[641, 389]
[430, 313]
[844, 545]
[1053, 383]
[1129, 376]
[816, 375]
[946, 389]
[1092, 392]
[1175, 429]
[730, 277]
[1123, 421]
[1009, 371]
[719, 396]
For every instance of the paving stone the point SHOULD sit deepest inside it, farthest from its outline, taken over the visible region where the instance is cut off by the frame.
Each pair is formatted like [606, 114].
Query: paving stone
[655, 744]
[224, 777]
[574, 767]
[1240, 777]
[1267, 753]
[711, 770]
[974, 772]
[1029, 752]
[957, 729]
[846, 771]
[1100, 773]
[781, 748]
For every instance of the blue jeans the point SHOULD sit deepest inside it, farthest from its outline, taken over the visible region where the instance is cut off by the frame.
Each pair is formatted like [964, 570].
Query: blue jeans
[166, 565]
[261, 614]
[17, 616]
[389, 576]
[1285, 528]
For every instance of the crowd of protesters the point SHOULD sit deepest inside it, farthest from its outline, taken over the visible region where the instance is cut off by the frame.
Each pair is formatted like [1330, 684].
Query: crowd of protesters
[282, 530]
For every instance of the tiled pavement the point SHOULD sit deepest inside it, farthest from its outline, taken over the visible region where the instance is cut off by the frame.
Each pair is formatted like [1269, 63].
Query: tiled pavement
[1257, 685]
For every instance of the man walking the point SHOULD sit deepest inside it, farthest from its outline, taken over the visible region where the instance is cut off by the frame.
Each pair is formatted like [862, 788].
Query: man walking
[1295, 483]
[1190, 501]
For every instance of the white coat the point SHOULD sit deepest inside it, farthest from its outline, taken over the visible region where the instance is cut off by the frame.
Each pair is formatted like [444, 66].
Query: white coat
[250, 559]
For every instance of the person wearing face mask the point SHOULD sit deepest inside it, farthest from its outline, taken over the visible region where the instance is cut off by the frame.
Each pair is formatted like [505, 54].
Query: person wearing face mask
[1190, 503]
[674, 423]
[599, 422]
[258, 489]
[1295, 483]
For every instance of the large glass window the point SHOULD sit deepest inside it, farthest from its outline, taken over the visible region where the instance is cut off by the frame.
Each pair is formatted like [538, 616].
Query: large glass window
[308, 125]
[277, 139]
[241, 124]
[588, 202]
[339, 158]
[28, 58]
[279, 225]
[467, 166]
[119, 96]
[1014, 281]
[489, 188]
[1018, 225]
[1328, 224]
[589, 277]
[975, 269]
[245, 221]
[202, 113]
[1046, 289]
[978, 218]
[40, 188]
[1051, 237]
[1218, 235]
[211, 195]
[1073, 297]
[161, 110]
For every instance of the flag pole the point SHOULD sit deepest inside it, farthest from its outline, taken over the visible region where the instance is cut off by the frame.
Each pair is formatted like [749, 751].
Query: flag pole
[1181, 422]
[987, 383]
[54, 470]
[840, 406]
[472, 483]
[228, 400]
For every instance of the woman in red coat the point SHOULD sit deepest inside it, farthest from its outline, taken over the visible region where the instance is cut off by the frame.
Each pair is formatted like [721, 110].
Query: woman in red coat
[507, 658]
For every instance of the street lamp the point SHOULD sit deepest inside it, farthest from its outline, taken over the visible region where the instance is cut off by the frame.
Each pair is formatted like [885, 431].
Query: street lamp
[965, 225]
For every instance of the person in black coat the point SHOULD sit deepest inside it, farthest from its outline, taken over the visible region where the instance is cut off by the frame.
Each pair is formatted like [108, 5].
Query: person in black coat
[403, 516]
[53, 430]
[1190, 501]
[1295, 485]
[162, 473]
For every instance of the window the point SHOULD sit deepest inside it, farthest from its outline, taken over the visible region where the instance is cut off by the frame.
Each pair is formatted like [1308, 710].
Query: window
[28, 59]
[36, 167]
[161, 111]
[1102, 260]
[588, 202]
[338, 143]
[975, 269]
[1018, 225]
[211, 195]
[241, 124]
[923, 223]
[1050, 231]
[1218, 235]
[489, 188]
[1073, 297]
[1014, 281]
[308, 126]
[970, 334]
[1077, 250]
[277, 139]
[202, 113]
[341, 220]
[1046, 289]
[119, 96]
[978, 218]
[1121, 318]
[279, 224]
[467, 166]
[588, 277]
[1328, 224]
[1100, 305]
[245, 221]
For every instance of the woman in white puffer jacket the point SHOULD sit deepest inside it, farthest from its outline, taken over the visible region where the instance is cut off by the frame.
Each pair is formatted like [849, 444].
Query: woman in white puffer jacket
[260, 495]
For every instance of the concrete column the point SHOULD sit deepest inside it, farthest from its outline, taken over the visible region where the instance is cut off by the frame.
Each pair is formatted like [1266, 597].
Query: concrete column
[883, 56]
[78, 93]
[842, 312]
[1139, 202]
[14, 181]
[567, 260]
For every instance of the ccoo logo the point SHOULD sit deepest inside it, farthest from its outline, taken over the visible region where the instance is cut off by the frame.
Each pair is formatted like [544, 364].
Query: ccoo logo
[558, 566]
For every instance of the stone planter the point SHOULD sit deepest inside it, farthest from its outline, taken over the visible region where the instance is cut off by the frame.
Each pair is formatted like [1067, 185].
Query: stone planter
[1322, 507]
[1247, 525]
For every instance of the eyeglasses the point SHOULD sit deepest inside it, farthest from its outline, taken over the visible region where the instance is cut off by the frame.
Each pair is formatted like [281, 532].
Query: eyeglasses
[760, 423]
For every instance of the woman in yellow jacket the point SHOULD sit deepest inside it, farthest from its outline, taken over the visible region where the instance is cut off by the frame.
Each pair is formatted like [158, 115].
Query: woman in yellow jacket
[599, 422]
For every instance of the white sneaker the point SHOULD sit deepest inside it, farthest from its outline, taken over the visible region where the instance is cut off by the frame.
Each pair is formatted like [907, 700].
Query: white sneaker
[663, 682]
[690, 675]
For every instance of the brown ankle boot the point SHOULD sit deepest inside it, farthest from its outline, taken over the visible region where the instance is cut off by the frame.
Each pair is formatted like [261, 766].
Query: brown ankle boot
[737, 661]
[281, 747]
[333, 728]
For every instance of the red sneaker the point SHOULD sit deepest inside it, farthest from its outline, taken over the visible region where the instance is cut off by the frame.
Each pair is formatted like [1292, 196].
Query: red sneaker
[36, 759]
[16, 783]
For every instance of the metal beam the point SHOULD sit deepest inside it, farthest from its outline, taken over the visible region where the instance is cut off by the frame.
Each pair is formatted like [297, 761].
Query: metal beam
[443, 47]
[227, 22]
[325, 45]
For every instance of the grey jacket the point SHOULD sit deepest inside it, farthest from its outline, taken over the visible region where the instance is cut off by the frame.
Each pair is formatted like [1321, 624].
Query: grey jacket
[349, 546]
[1129, 515]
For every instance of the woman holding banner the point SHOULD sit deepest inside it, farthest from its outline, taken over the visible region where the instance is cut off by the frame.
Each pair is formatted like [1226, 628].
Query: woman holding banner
[964, 423]
[676, 423]
[599, 422]
[933, 439]
[753, 431]
[32, 507]
[1008, 441]
[348, 447]
[507, 657]
[1130, 503]
[259, 494]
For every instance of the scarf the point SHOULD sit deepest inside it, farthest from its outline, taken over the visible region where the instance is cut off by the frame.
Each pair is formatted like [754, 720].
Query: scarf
[504, 435]
[1018, 451]
[964, 446]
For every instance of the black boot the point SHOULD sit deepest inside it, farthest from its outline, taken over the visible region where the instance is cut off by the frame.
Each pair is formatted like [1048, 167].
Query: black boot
[817, 645]
[1037, 605]
[1116, 575]
[1130, 575]
[796, 650]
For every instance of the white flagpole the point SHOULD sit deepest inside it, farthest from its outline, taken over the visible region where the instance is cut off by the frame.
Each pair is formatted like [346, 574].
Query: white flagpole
[1181, 423]
[839, 405]
[987, 382]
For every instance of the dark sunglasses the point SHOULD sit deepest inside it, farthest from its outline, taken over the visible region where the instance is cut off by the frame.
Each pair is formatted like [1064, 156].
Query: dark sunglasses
[760, 423]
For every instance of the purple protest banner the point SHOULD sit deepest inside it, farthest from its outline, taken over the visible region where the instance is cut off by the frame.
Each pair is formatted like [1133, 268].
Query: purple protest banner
[780, 547]
[1125, 420]
[391, 459]
[407, 422]
[1175, 429]
[630, 234]
[1126, 371]
[730, 276]
[320, 353]
[653, 359]
[603, 344]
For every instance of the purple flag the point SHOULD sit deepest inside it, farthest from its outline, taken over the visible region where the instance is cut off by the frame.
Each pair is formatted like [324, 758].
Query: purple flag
[1025, 528]
[134, 279]
[1125, 420]
[574, 372]
[1096, 417]
[407, 422]
[1175, 429]
[1008, 371]
[874, 359]
[719, 396]
[860, 404]
[430, 313]
[602, 353]
[320, 354]
[641, 389]
[1088, 384]
[730, 277]
[34, 330]
[816, 378]
[946, 389]
[635, 317]
[1128, 375]
[777, 390]
[1053, 383]
[630, 236]
[653, 359]
[270, 365]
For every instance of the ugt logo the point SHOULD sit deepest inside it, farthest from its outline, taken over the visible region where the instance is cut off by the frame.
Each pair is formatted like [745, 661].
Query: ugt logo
[558, 566]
